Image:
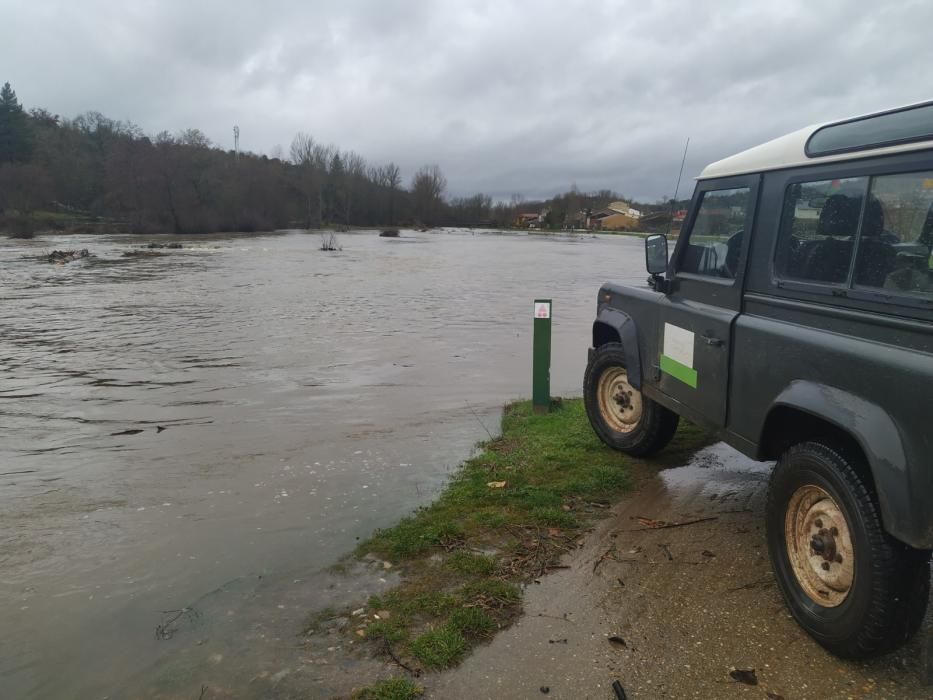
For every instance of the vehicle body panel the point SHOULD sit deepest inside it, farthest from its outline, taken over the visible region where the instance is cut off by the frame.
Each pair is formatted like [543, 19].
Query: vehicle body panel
[860, 360]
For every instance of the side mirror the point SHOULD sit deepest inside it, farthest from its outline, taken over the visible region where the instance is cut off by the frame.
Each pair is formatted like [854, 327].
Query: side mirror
[656, 254]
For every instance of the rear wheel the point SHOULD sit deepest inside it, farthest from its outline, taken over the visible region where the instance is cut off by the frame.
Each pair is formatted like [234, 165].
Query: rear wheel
[622, 417]
[851, 586]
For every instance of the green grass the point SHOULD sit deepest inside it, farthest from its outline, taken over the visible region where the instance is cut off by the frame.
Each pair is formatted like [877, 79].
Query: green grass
[463, 556]
[467, 563]
[472, 622]
[439, 648]
[392, 689]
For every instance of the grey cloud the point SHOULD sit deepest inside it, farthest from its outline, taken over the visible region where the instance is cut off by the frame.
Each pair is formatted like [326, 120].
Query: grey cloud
[508, 97]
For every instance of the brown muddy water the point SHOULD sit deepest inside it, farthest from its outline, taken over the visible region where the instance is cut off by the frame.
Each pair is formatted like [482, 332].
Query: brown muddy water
[244, 409]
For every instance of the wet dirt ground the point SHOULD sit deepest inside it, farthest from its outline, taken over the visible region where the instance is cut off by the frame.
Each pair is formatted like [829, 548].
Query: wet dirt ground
[669, 613]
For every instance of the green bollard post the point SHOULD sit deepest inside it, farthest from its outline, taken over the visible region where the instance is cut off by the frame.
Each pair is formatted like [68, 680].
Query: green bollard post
[541, 357]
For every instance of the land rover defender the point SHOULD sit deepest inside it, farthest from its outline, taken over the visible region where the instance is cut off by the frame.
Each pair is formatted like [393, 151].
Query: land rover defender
[795, 319]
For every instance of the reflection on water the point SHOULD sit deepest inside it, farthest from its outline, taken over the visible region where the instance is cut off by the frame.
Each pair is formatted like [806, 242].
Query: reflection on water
[243, 406]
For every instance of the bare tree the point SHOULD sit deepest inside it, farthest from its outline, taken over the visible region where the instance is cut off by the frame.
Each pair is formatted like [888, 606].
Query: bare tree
[389, 178]
[310, 159]
[194, 138]
[354, 177]
[427, 189]
[392, 180]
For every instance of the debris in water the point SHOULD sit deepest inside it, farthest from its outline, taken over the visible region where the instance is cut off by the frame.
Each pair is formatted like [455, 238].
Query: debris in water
[670, 557]
[545, 689]
[618, 690]
[60, 257]
[389, 233]
[329, 241]
[746, 676]
[140, 253]
[131, 431]
[170, 621]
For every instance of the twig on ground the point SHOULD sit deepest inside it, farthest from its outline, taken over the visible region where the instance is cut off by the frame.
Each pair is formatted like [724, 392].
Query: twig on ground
[757, 583]
[478, 420]
[554, 617]
[387, 650]
[667, 526]
[603, 558]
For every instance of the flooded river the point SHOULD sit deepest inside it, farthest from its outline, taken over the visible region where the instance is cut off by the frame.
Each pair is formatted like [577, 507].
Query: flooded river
[244, 406]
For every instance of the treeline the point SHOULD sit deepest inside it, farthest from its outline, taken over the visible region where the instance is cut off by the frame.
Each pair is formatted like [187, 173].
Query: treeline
[92, 168]
[54, 169]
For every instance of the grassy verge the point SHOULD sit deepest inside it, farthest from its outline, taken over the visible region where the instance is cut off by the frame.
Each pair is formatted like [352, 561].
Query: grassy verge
[505, 518]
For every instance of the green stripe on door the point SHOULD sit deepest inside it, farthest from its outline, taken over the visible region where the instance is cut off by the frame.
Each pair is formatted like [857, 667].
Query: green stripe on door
[687, 375]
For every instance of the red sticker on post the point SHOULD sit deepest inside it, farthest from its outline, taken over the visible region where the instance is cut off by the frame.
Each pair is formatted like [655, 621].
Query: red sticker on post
[542, 309]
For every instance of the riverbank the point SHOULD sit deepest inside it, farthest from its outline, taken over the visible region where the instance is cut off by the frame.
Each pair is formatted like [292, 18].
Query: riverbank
[504, 521]
[666, 590]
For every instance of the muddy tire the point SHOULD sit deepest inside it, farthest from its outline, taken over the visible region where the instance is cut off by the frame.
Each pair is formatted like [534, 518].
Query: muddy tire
[850, 585]
[622, 417]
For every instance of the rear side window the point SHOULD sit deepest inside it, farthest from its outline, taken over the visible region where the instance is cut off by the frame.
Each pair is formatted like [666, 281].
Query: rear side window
[897, 235]
[819, 226]
[715, 240]
[863, 233]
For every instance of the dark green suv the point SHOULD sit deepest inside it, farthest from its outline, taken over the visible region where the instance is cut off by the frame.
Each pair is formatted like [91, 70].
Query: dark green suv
[795, 318]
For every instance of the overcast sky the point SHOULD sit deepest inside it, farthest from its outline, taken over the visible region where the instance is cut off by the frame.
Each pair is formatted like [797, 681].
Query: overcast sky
[507, 97]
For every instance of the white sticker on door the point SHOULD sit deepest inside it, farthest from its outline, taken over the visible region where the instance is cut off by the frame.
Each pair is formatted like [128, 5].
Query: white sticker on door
[678, 344]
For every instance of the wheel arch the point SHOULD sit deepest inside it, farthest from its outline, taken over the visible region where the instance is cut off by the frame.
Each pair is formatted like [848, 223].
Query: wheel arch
[614, 326]
[806, 410]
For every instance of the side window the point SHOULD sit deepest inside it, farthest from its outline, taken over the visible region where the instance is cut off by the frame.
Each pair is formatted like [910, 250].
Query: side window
[715, 240]
[897, 235]
[818, 229]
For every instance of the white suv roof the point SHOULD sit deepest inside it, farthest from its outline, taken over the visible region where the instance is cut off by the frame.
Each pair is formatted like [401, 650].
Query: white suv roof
[898, 130]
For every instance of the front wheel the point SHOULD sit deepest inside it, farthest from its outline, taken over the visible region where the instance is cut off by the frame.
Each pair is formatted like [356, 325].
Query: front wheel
[622, 417]
[849, 584]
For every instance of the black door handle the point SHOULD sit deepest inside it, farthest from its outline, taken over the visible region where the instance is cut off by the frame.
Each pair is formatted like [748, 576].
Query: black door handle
[713, 341]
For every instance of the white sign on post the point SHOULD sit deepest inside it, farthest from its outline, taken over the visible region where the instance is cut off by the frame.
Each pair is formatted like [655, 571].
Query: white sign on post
[542, 310]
